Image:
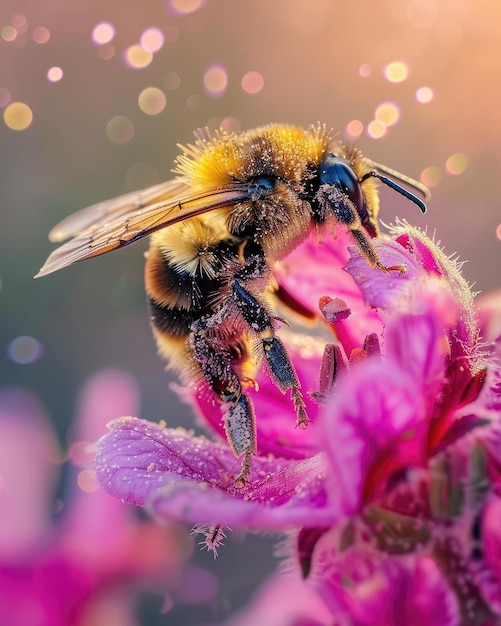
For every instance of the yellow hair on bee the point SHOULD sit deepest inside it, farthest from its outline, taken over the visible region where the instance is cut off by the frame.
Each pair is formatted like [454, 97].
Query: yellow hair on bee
[229, 157]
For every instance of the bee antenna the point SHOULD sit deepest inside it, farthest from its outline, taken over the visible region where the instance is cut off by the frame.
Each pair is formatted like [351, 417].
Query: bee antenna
[401, 190]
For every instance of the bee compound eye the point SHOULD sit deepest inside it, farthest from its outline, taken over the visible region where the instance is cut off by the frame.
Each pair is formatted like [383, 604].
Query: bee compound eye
[261, 186]
[337, 171]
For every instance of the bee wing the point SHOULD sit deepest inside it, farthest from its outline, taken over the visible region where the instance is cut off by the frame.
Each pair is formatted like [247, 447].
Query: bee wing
[116, 223]
[115, 208]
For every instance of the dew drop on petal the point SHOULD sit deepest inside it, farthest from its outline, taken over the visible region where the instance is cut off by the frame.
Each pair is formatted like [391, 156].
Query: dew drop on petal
[25, 350]
[152, 100]
[18, 116]
[120, 129]
[396, 71]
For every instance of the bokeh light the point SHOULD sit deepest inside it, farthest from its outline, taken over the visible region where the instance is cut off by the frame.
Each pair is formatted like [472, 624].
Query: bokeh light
[456, 163]
[106, 51]
[172, 81]
[498, 231]
[215, 80]
[365, 70]
[424, 95]
[4, 96]
[431, 176]
[152, 101]
[9, 33]
[54, 74]
[137, 57]
[396, 71]
[376, 129]
[120, 129]
[152, 39]
[353, 130]
[18, 116]
[41, 34]
[103, 33]
[25, 350]
[387, 113]
[193, 101]
[183, 7]
[20, 22]
[230, 124]
[87, 480]
[252, 82]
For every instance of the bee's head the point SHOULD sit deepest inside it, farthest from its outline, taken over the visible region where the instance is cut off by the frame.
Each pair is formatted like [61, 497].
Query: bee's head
[337, 173]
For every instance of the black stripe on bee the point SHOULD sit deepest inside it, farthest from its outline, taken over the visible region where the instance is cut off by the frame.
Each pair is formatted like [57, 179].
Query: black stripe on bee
[174, 322]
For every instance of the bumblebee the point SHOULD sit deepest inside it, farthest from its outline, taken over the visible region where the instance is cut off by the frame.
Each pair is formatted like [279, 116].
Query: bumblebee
[240, 202]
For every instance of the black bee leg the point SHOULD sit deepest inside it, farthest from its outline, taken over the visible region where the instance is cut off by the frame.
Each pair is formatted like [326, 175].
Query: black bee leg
[346, 213]
[280, 367]
[215, 360]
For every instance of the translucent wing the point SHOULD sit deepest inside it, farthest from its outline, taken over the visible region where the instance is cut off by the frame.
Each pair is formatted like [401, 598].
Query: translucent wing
[116, 223]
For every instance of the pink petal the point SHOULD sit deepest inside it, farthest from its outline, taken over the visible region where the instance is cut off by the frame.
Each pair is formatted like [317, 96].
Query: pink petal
[406, 591]
[29, 466]
[363, 423]
[284, 601]
[375, 589]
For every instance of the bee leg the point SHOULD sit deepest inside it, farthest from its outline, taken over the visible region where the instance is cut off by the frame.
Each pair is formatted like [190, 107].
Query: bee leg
[347, 214]
[215, 360]
[365, 245]
[280, 367]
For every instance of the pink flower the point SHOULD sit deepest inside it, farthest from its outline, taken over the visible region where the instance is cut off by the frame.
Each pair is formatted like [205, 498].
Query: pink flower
[87, 566]
[390, 495]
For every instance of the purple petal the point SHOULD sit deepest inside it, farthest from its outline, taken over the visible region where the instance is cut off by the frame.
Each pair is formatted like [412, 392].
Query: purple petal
[380, 289]
[137, 457]
[192, 479]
